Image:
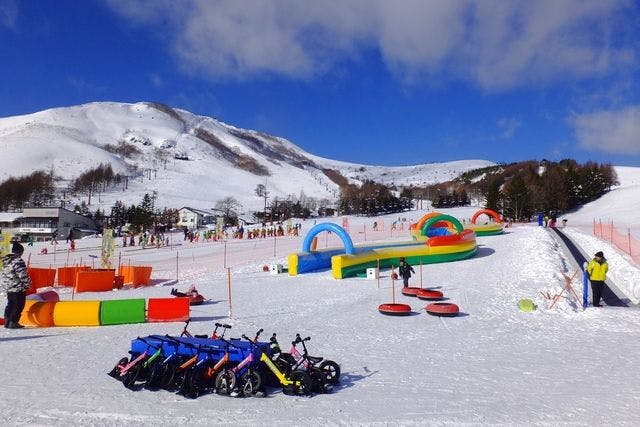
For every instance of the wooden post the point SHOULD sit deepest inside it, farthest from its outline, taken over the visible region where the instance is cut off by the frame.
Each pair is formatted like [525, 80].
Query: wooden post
[229, 291]
[393, 285]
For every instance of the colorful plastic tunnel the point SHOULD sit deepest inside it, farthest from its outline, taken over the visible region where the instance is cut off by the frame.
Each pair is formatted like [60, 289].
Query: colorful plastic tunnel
[119, 312]
[76, 313]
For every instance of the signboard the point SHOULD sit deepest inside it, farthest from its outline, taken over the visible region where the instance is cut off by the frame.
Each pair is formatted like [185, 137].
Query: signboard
[108, 247]
[5, 245]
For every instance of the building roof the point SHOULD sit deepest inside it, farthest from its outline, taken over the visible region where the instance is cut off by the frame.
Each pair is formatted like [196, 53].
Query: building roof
[10, 216]
[212, 212]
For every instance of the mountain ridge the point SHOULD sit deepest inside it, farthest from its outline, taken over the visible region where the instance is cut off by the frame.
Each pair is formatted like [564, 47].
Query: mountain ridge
[186, 159]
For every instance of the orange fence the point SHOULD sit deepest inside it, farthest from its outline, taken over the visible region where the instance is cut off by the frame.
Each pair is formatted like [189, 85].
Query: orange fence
[138, 276]
[41, 277]
[95, 280]
[618, 238]
[67, 275]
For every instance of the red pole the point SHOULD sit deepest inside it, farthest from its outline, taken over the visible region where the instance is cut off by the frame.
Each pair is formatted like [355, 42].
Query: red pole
[611, 233]
[229, 291]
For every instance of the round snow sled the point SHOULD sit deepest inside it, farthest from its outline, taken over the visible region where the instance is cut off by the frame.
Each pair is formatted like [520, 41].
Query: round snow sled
[429, 295]
[196, 299]
[442, 309]
[410, 291]
[395, 309]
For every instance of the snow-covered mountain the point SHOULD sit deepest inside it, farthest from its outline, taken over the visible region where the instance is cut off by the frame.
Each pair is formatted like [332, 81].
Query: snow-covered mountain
[188, 160]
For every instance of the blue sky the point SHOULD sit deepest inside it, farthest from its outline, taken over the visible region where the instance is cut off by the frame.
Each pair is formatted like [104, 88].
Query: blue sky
[367, 81]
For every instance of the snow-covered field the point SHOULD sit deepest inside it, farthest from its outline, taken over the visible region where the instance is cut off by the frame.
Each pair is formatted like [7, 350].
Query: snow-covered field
[493, 364]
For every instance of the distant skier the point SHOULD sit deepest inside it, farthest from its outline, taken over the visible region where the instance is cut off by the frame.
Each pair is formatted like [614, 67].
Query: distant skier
[405, 271]
[597, 270]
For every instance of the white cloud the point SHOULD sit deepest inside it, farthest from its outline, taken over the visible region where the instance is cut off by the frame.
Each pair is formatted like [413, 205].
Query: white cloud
[508, 127]
[612, 131]
[9, 14]
[493, 44]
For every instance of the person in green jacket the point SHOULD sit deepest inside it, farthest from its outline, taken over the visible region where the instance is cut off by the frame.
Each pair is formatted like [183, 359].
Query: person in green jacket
[597, 270]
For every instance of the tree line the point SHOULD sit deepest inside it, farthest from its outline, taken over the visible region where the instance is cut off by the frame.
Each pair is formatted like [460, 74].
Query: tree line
[523, 189]
[36, 189]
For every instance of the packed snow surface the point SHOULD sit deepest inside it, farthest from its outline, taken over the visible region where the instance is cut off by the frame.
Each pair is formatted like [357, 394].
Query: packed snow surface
[493, 364]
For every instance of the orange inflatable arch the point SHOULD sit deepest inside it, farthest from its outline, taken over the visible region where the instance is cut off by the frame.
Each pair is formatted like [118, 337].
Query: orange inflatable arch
[491, 213]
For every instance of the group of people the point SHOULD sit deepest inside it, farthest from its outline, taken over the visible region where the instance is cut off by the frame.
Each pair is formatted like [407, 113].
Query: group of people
[15, 281]
[597, 270]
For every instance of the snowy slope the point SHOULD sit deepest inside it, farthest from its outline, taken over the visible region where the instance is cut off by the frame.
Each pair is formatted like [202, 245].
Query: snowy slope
[72, 140]
[491, 365]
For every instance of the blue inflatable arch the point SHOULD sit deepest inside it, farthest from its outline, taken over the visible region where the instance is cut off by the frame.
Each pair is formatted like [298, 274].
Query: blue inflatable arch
[328, 226]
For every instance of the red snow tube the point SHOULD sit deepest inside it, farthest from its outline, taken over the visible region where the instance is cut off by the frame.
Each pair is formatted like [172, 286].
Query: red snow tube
[429, 295]
[395, 309]
[196, 299]
[445, 309]
[410, 291]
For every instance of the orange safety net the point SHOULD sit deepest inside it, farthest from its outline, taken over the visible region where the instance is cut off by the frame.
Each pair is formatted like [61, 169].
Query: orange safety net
[624, 241]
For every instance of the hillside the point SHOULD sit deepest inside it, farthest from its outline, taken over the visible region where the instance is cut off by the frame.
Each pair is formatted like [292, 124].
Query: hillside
[189, 160]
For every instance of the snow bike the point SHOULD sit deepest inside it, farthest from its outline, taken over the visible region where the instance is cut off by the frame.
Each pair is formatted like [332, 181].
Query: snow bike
[129, 371]
[247, 376]
[329, 368]
[214, 334]
[297, 381]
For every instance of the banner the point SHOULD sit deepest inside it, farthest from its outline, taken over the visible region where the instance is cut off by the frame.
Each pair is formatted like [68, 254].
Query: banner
[108, 247]
[5, 245]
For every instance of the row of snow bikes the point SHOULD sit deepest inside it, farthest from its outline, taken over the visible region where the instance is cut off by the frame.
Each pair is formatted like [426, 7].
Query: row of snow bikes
[193, 365]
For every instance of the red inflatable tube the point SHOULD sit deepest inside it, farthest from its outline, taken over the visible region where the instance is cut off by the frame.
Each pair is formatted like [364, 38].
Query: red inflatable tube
[395, 309]
[410, 291]
[196, 299]
[445, 309]
[429, 295]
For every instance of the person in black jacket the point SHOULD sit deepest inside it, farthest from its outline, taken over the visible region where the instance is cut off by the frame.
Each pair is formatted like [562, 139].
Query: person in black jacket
[16, 281]
[405, 271]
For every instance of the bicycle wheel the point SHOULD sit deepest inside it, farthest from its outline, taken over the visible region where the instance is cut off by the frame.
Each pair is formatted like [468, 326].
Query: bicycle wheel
[168, 379]
[225, 382]
[251, 383]
[155, 377]
[319, 380]
[115, 372]
[185, 381]
[302, 384]
[331, 371]
[193, 388]
[129, 379]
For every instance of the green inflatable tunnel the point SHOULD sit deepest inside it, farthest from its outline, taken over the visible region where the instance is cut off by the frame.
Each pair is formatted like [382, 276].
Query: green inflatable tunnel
[119, 312]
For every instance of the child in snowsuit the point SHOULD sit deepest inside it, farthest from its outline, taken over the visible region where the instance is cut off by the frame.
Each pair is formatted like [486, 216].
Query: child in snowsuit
[15, 280]
[405, 271]
[597, 270]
